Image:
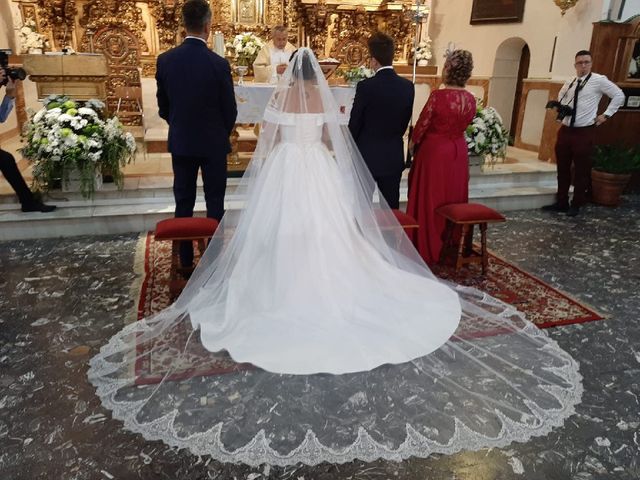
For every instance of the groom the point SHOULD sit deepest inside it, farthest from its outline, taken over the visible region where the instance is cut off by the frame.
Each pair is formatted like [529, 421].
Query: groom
[196, 98]
[379, 118]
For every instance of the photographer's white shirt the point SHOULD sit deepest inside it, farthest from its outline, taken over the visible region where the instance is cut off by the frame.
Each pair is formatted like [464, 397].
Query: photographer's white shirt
[5, 107]
[589, 98]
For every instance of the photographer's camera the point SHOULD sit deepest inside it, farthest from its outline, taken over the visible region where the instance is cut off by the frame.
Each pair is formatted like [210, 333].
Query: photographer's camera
[11, 73]
[562, 110]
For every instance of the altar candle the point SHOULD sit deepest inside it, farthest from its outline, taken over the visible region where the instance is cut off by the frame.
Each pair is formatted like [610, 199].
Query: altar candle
[218, 43]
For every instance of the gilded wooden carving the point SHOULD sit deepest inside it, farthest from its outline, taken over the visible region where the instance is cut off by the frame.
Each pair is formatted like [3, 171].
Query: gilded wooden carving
[100, 14]
[120, 47]
[29, 13]
[57, 17]
[275, 12]
[168, 21]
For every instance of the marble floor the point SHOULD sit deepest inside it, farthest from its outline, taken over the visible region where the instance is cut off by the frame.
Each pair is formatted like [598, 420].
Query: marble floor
[60, 299]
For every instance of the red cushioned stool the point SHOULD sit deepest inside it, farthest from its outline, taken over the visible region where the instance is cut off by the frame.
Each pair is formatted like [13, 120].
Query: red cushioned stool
[176, 230]
[407, 221]
[466, 216]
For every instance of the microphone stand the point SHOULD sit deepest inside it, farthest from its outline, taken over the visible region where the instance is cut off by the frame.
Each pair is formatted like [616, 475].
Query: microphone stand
[416, 39]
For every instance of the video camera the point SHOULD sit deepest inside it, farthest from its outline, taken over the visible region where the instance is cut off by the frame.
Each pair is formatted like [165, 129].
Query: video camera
[562, 110]
[13, 73]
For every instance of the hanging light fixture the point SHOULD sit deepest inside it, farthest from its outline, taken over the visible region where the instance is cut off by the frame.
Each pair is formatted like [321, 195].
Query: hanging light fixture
[565, 5]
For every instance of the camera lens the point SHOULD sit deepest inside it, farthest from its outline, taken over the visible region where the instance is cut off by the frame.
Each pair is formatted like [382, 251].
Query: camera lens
[17, 73]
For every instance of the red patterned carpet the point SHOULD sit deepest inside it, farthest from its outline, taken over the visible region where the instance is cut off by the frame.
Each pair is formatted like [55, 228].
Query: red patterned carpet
[542, 304]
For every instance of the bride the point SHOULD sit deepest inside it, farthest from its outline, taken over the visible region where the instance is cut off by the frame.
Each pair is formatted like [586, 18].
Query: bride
[312, 330]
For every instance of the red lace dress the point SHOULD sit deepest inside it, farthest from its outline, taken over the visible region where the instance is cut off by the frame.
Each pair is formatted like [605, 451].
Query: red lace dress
[440, 171]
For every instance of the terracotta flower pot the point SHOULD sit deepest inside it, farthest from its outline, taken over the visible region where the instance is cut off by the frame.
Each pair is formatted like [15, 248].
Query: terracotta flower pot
[607, 187]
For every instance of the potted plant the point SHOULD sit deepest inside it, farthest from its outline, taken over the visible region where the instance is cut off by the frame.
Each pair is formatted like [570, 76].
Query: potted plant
[611, 170]
[486, 137]
[246, 46]
[71, 141]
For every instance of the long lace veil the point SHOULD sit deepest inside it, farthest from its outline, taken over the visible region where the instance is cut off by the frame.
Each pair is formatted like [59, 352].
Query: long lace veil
[188, 374]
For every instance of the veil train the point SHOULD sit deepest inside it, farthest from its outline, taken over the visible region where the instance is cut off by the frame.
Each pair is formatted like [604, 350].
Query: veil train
[312, 330]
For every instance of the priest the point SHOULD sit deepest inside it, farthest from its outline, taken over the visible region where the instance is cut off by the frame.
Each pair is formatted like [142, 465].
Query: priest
[273, 58]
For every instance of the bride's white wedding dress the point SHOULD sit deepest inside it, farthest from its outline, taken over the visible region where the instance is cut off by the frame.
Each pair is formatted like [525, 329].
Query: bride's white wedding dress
[312, 331]
[309, 276]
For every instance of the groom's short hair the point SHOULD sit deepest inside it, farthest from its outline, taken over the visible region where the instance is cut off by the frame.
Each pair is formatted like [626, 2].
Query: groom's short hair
[195, 15]
[381, 48]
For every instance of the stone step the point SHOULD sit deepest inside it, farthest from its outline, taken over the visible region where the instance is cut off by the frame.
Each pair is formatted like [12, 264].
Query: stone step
[161, 186]
[125, 215]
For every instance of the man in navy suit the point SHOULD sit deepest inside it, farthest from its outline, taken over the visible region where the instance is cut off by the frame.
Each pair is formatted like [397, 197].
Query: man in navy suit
[379, 118]
[196, 98]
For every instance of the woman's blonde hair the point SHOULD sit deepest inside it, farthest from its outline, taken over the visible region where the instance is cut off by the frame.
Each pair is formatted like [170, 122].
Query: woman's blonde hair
[458, 68]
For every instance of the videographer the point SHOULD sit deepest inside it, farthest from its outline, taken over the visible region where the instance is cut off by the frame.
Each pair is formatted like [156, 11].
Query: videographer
[8, 165]
[577, 108]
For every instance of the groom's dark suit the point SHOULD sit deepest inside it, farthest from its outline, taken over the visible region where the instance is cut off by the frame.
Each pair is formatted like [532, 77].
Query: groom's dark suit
[379, 118]
[196, 98]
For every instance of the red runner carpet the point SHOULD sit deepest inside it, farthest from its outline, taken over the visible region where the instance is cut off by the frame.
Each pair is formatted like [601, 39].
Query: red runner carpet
[542, 304]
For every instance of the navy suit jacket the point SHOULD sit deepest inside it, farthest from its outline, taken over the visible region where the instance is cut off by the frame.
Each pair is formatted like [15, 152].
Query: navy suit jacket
[196, 98]
[379, 118]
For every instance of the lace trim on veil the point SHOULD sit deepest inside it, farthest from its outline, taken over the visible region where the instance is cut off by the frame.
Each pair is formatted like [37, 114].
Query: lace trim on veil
[498, 379]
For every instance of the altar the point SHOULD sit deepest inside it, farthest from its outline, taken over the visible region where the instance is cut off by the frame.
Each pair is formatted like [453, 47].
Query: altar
[252, 100]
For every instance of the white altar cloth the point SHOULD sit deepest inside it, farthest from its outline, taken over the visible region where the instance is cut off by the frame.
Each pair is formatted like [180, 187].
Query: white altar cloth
[252, 101]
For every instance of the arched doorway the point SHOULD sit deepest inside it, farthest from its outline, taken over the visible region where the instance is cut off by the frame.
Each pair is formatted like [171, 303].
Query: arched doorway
[510, 68]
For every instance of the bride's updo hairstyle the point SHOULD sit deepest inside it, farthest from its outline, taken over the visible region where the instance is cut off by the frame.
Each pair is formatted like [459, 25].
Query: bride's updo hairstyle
[302, 67]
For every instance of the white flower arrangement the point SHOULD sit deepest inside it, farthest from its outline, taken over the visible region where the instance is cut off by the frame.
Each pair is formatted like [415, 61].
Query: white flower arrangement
[486, 135]
[247, 46]
[66, 135]
[30, 38]
[423, 52]
[355, 74]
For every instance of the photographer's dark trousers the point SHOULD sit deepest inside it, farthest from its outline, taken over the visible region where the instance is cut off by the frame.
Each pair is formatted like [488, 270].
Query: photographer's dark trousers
[10, 171]
[214, 179]
[574, 146]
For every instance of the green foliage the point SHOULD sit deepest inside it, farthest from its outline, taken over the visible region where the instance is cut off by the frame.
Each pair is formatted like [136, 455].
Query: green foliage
[616, 159]
[66, 136]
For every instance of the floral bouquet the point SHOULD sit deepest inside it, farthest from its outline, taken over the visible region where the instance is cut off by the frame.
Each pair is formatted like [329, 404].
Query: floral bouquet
[355, 74]
[247, 46]
[67, 136]
[422, 52]
[486, 135]
[30, 39]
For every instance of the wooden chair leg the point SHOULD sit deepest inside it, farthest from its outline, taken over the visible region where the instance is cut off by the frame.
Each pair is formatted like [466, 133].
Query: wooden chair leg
[201, 246]
[175, 266]
[447, 242]
[175, 257]
[483, 246]
[461, 246]
[468, 241]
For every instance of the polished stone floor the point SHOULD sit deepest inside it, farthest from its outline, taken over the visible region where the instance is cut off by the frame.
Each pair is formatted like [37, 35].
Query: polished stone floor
[60, 299]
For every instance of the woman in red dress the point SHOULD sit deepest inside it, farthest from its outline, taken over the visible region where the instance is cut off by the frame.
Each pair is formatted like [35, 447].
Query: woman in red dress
[440, 172]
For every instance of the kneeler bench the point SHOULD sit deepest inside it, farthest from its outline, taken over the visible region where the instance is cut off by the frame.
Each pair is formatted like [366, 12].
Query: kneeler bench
[465, 216]
[176, 230]
[407, 222]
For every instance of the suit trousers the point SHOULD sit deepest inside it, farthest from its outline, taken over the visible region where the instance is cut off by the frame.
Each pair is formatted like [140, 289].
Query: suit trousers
[389, 187]
[214, 179]
[574, 147]
[10, 171]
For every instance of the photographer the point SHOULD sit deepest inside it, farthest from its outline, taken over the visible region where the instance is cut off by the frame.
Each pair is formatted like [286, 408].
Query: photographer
[577, 109]
[8, 165]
